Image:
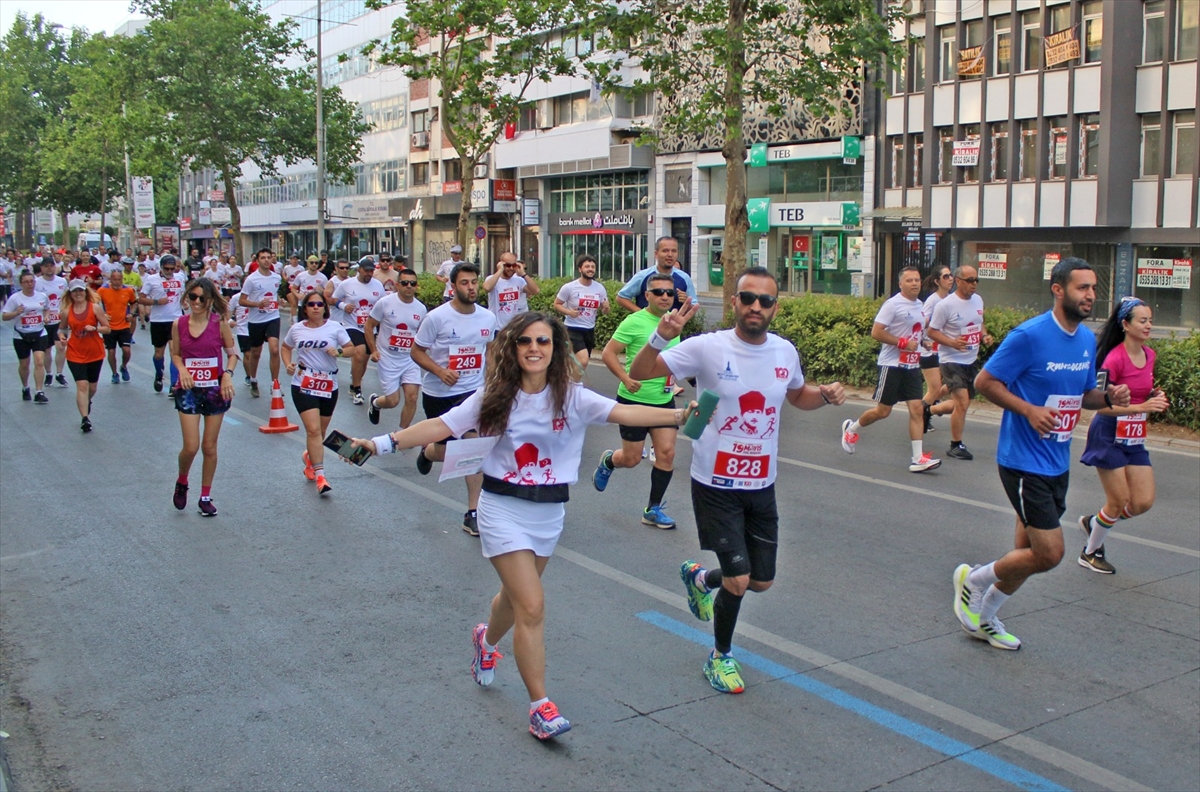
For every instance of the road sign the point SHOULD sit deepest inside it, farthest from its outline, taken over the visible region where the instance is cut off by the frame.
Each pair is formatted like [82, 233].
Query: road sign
[480, 232]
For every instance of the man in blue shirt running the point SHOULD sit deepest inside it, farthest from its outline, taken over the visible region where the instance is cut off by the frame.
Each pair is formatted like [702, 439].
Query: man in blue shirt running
[1042, 375]
[632, 296]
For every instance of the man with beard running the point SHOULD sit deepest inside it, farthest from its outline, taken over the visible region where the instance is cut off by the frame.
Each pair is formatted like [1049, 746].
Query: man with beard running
[260, 293]
[581, 301]
[734, 463]
[396, 317]
[1042, 375]
[54, 287]
[354, 298]
[162, 292]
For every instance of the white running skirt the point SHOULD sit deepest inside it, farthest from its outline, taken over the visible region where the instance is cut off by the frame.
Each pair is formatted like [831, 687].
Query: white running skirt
[507, 524]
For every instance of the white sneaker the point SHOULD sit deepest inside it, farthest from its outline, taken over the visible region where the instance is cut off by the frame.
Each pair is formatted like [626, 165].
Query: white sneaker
[966, 600]
[994, 633]
[849, 439]
[925, 463]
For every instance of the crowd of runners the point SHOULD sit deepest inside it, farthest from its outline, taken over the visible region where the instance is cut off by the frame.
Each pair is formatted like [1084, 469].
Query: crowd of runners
[516, 377]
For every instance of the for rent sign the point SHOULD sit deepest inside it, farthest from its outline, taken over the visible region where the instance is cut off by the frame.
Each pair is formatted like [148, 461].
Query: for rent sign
[993, 266]
[1164, 273]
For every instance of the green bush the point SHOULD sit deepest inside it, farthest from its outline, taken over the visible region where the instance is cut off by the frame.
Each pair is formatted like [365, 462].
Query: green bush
[1177, 372]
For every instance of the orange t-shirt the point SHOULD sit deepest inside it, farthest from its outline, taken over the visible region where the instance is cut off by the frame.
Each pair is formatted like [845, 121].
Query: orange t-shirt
[116, 303]
[83, 346]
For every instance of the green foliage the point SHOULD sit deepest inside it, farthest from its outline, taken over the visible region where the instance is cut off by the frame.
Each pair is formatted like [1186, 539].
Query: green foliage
[1177, 372]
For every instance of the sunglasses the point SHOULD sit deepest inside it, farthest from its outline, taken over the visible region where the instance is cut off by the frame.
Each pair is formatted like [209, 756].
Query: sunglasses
[342, 268]
[314, 305]
[524, 341]
[197, 297]
[945, 275]
[747, 299]
[407, 283]
[662, 292]
[969, 280]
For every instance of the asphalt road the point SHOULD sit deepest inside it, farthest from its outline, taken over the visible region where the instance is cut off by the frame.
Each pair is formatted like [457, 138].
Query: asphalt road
[300, 643]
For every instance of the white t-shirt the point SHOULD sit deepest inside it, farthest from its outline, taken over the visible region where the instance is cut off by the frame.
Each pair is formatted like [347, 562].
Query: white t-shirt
[357, 299]
[507, 299]
[290, 271]
[6, 272]
[54, 289]
[902, 318]
[31, 320]
[231, 276]
[309, 282]
[262, 287]
[538, 447]
[151, 265]
[957, 317]
[444, 269]
[740, 447]
[457, 342]
[315, 374]
[156, 287]
[398, 325]
[241, 314]
[587, 298]
[927, 313]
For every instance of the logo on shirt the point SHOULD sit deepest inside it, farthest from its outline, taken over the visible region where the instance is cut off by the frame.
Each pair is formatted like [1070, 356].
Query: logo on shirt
[485, 332]
[728, 375]
[559, 424]
[1052, 366]
[755, 419]
[532, 468]
[781, 373]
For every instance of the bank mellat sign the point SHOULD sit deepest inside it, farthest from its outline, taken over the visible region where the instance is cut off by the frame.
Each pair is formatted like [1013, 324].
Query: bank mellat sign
[598, 223]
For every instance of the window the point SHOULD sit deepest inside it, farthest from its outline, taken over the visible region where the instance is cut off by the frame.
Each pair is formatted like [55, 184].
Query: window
[420, 121]
[577, 107]
[1151, 144]
[635, 106]
[970, 173]
[1029, 149]
[1031, 40]
[1089, 146]
[1183, 145]
[1186, 38]
[1059, 18]
[451, 170]
[420, 174]
[970, 63]
[946, 155]
[1153, 31]
[949, 53]
[527, 117]
[900, 77]
[999, 151]
[1057, 146]
[385, 114]
[898, 160]
[1002, 52]
[1093, 31]
[916, 65]
[917, 161]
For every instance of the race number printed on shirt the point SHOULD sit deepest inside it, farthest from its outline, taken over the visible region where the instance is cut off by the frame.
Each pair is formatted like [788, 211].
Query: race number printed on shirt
[1068, 416]
[1131, 429]
[205, 372]
[317, 383]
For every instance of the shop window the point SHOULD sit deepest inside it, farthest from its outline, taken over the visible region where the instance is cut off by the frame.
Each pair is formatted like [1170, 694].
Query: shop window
[1031, 40]
[999, 151]
[1187, 32]
[1089, 146]
[1183, 143]
[946, 155]
[1057, 148]
[1002, 52]
[1151, 145]
[917, 161]
[948, 53]
[1153, 31]
[420, 174]
[897, 169]
[970, 173]
[1093, 31]
[1029, 148]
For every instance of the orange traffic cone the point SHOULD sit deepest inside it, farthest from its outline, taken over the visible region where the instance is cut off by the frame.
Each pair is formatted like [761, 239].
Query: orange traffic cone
[279, 420]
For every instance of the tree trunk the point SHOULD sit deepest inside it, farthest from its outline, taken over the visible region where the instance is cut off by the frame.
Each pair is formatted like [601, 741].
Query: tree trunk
[103, 203]
[235, 219]
[737, 224]
[464, 213]
[66, 232]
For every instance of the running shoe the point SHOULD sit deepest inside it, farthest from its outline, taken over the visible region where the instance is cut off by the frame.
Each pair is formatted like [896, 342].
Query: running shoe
[483, 666]
[603, 472]
[26, 395]
[309, 473]
[207, 509]
[657, 518]
[158, 384]
[85, 425]
[246, 379]
[849, 439]
[180, 497]
[49, 381]
[960, 452]
[323, 485]
[254, 388]
[471, 523]
[424, 463]
[124, 373]
[700, 599]
[928, 418]
[545, 722]
[994, 633]
[132, 340]
[925, 463]
[372, 410]
[40, 398]
[116, 379]
[724, 673]
[61, 380]
[357, 396]
[966, 600]
[1093, 561]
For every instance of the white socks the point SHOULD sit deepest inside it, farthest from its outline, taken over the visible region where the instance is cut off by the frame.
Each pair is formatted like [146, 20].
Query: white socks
[918, 448]
[991, 603]
[983, 577]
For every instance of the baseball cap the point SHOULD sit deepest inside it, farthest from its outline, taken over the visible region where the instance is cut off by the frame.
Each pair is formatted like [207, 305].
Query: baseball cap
[367, 262]
[77, 283]
[168, 260]
[456, 249]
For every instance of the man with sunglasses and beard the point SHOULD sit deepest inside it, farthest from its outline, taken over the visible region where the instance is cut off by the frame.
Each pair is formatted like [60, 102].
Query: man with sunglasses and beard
[580, 302]
[734, 461]
[509, 288]
[396, 317]
[630, 336]
[957, 327]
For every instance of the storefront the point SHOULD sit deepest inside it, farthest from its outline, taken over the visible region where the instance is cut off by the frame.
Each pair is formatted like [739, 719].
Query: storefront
[603, 215]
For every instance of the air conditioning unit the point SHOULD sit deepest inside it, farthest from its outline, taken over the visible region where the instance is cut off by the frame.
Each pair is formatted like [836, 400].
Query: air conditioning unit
[913, 7]
[420, 140]
[481, 170]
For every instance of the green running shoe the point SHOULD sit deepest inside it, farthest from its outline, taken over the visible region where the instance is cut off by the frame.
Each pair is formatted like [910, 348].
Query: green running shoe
[963, 596]
[700, 600]
[724, 673]
[994, 633]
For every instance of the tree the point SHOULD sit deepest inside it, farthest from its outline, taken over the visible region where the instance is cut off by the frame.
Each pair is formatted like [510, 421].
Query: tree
[236, 87]
[481, 56]
[711, 61]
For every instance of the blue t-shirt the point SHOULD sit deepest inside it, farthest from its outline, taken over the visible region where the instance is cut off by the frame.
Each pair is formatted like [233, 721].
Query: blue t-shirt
[1046, 366]
[635, 289]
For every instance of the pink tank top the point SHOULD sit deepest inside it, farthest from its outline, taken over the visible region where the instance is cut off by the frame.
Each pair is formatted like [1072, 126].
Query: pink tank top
[202, 356]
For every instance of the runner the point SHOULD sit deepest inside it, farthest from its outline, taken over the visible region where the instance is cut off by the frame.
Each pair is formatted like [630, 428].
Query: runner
[119, 301]
[580, 301]
[231, 279]
[6, 277]
[318, 343]
[630, 336]
[239, 317]
[734, 461]
[354, 298]
[939, 283]
[162, 292]
[899, 327]
[632, 295]
[537, 410]
[397, 318]
[290, 271]
[55, 289]
[445, 269]
[957, 326]
[341, 272]
[386, 274]
[205, 386]
[310, 280]
[260, 293]
[85, 323]
[451, 346]
[88, 269]
[1116, 443]
[509, 288]
[1042, 375]
[27, 311]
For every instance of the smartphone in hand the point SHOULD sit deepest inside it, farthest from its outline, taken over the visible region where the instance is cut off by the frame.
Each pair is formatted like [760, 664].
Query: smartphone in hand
[341, 445]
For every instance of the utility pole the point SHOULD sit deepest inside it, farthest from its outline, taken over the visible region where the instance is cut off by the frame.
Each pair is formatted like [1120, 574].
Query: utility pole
[320, 140]
[129, 221]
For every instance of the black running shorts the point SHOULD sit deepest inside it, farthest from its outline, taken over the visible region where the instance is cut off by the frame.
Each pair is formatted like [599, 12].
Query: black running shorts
[637, 434]
[160, 334]
[304, 402]
[26, 344]
[437, 406]
[122, 337]
[898, 384]
[261, 331]
[582, 339]
[1040, 501]
[740, 526]
[959, 376]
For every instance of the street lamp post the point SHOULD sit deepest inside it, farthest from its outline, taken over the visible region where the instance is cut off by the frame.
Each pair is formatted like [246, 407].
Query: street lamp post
[320, 140]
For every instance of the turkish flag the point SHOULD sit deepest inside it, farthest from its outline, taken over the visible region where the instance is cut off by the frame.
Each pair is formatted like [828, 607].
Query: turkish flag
[510, 130]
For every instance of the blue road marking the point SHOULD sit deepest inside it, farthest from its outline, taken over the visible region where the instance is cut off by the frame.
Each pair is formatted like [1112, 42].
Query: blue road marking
[977, 758]
[231, 420]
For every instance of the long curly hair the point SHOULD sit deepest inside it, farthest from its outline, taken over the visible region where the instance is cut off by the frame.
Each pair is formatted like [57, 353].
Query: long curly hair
[503, 378]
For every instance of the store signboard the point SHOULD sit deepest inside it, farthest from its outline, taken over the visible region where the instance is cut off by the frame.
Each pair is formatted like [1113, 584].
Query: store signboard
[531, 212]
[221, 215]
[1164, 273]
[993, 266]
[504, 196]
[1048, 264]
[166, 236]
[481, 195]
[143, 202]
[793, 215]
[598, 223]
[966, 153]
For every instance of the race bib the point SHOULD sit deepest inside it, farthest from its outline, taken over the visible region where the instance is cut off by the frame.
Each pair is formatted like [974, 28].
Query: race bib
[360, 315]
[589, 302]
[1131, 429]
[509, 296]
[911, 357]
[742, 463]
[669, 385]
[400, 342]
[973, 336]
[31, 320]
[52, 317]
[317, 383]
[1068, 416]
[206, 373]
[270, 303]
[467, 359]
